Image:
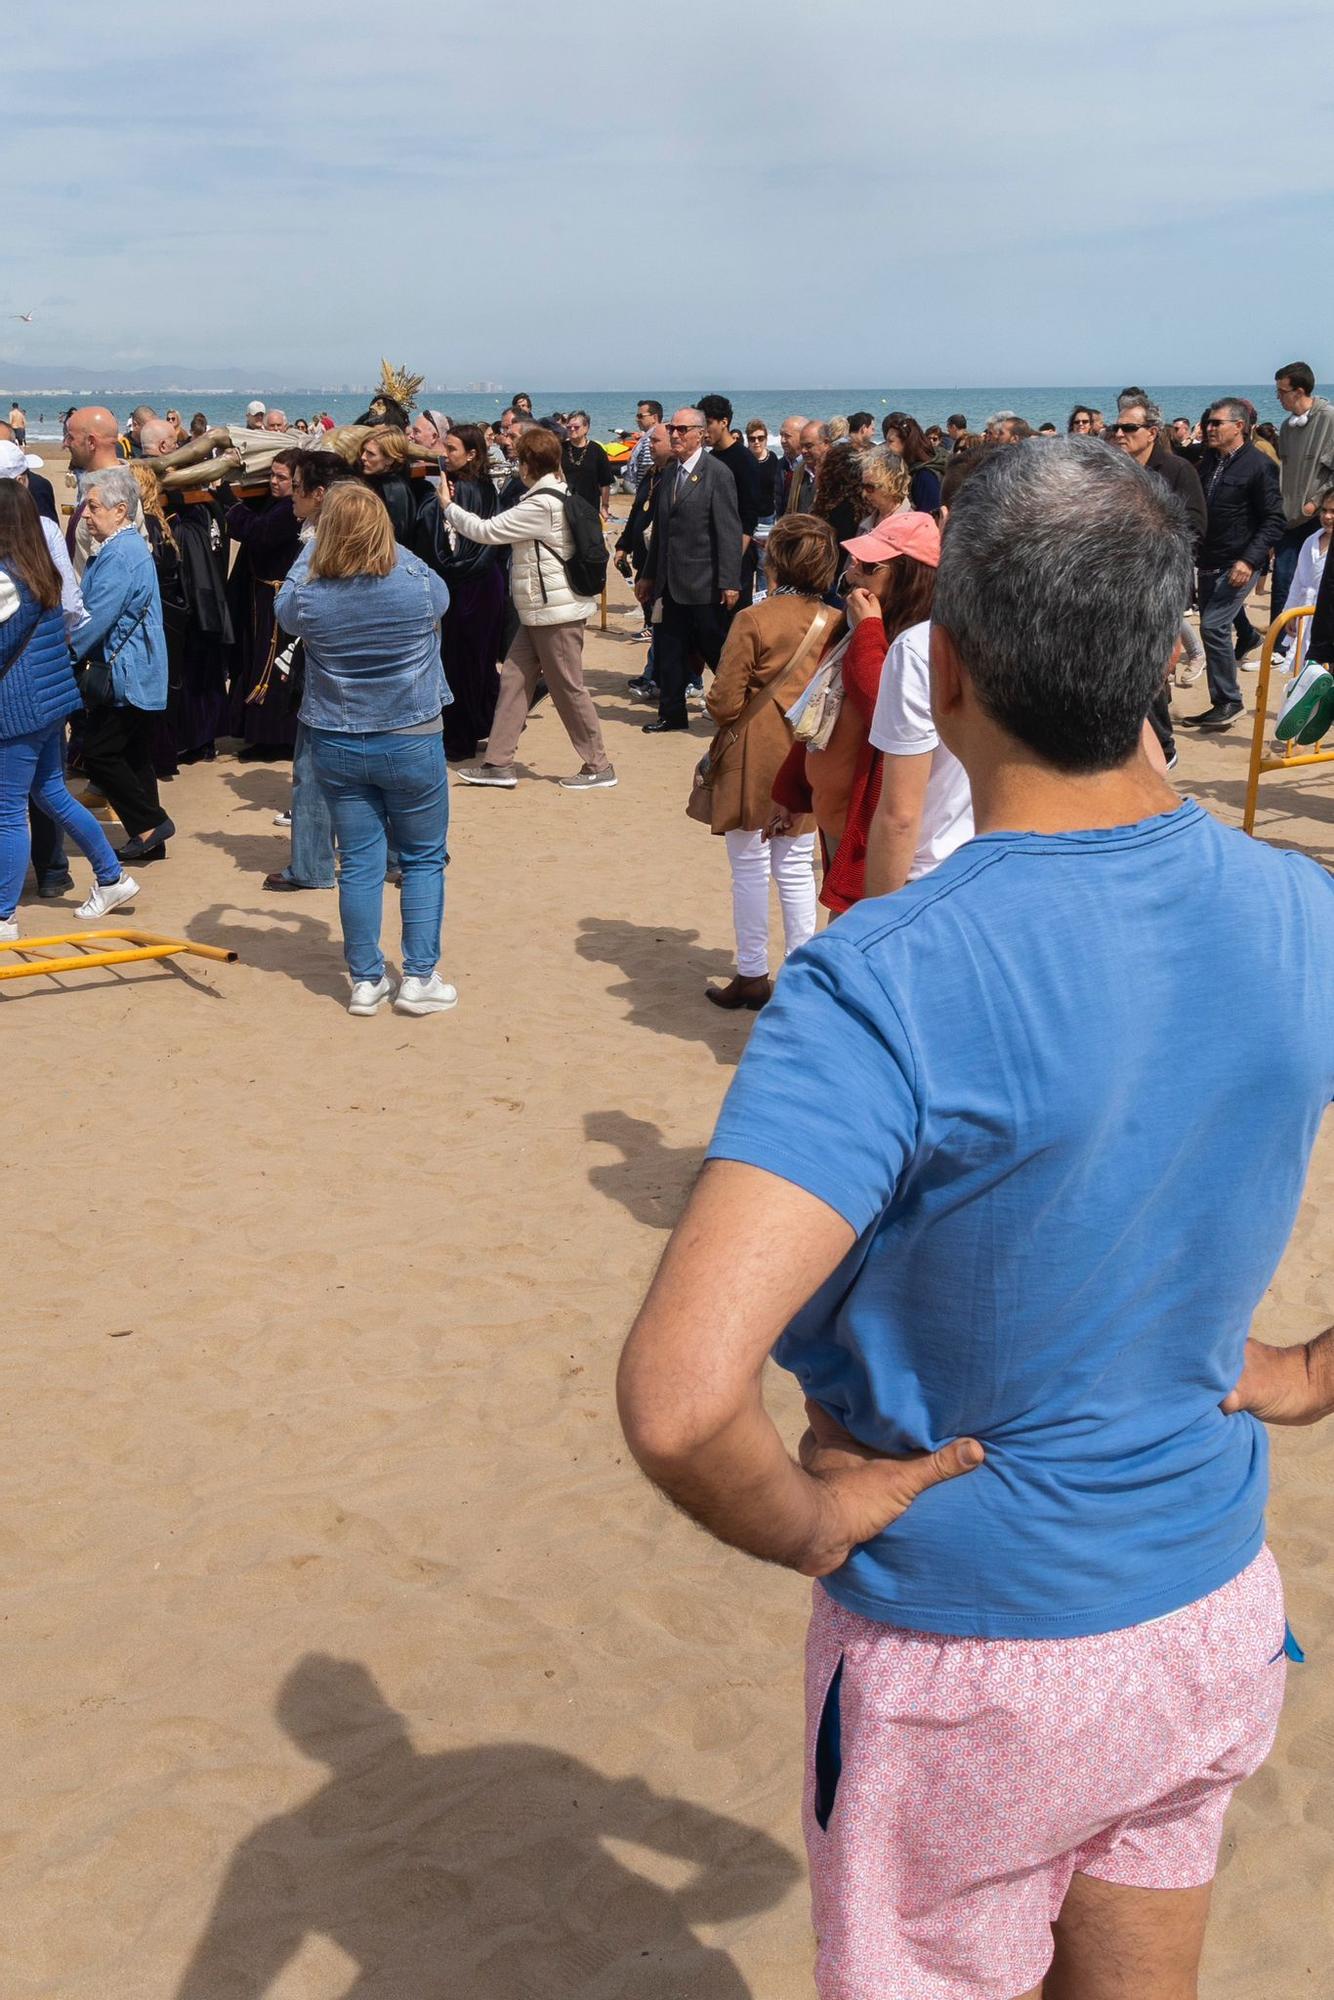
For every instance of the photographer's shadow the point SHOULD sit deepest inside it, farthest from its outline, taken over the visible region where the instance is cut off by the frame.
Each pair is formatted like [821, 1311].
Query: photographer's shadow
[479, 1871]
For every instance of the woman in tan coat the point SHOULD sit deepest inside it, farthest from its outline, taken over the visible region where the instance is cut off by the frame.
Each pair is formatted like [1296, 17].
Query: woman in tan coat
[761, 652]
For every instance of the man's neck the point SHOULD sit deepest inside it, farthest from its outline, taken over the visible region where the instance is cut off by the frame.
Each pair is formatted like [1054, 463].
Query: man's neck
[1021, 795]
[1300, 405]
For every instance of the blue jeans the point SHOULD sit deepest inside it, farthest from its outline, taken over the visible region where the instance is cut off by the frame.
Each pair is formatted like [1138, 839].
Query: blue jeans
[312, 862]
[34, 767]
[379, 787]
[1220, 602]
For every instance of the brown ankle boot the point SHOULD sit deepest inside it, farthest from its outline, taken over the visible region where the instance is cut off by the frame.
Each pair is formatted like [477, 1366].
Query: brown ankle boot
[739, 992]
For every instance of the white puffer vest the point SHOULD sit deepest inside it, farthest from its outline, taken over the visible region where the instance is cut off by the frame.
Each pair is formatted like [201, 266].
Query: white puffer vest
[536, 532]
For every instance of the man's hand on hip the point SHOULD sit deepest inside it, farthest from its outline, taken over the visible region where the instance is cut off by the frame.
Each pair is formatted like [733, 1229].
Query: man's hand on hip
[729, 599]
[1286, 1385]
[864, 1490]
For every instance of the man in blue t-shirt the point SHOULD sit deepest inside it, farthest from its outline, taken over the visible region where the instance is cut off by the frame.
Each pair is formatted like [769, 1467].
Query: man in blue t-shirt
[1048, 1638]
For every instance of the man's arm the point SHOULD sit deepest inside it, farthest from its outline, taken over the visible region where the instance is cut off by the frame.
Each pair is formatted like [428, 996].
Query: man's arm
[896, 824]
[1287, 1385]
[1267, 515]
[727, 532]
[747, 1254]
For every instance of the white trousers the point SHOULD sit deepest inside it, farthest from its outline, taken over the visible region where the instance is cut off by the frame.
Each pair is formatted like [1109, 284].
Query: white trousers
[791, 862]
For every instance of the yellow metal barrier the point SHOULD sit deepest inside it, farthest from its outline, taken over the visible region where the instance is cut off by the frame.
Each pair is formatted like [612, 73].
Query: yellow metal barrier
[1261, 759]
[140, 945]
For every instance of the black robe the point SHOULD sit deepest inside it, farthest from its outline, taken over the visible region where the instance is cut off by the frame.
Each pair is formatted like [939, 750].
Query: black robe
[268, 537]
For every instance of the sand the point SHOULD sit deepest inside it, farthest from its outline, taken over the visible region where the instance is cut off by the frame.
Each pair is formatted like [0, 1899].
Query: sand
[346, 1653]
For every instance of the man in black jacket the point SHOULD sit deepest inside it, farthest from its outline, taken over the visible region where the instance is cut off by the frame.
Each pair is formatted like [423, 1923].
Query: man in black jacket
[692, 576]
[1138, 432]
[1245, 519]
[729, 447]
[632, 543]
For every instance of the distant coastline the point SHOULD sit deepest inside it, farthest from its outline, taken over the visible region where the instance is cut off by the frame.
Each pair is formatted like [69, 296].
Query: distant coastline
[610, 409]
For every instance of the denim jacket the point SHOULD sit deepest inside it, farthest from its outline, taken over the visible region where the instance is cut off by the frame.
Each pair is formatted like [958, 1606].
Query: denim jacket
[124, 622]
[372, 645]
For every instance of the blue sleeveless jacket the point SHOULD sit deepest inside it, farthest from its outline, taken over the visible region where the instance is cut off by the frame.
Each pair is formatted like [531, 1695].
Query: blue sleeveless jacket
[41, 688]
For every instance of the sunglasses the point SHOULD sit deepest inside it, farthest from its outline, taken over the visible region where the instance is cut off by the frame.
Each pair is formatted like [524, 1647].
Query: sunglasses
[681, 430]
[1127, 430]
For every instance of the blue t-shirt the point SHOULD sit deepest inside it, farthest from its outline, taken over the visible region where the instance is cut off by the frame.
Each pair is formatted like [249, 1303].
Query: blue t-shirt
[1065, 1090]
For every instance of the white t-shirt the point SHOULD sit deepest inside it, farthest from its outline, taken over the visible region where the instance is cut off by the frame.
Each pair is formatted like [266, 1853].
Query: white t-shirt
[902, 726]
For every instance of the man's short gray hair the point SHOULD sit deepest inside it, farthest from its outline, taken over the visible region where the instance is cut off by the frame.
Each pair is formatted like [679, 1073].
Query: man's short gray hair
[1233, 407]
[1064, 576]
[117, 488]
[1152, 413]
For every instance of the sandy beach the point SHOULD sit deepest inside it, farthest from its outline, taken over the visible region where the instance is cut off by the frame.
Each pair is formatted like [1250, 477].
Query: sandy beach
[347, 1653]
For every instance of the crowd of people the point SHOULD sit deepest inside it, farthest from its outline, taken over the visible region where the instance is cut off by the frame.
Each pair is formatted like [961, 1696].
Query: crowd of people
[1048, 1638]
[189, 549]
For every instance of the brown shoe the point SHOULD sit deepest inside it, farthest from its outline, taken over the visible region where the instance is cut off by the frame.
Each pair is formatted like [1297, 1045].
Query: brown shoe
[281, 880]
[739, 992]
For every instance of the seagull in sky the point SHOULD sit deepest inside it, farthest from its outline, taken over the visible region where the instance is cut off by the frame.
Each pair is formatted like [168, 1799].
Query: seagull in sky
[25, 317]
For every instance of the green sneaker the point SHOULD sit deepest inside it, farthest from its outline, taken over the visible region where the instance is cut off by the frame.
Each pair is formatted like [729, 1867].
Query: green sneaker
[1308, 707]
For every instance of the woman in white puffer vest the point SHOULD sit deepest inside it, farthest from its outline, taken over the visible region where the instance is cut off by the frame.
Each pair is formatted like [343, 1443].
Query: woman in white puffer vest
[549, 644]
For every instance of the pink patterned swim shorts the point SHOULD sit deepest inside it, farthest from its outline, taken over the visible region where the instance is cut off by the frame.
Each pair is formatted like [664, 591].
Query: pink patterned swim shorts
[954, 1786]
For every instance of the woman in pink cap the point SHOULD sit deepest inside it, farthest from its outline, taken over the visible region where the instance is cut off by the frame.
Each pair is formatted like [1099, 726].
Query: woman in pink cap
[891, 580]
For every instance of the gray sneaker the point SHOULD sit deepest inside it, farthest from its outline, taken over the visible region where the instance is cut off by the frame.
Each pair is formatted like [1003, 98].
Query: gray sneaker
[587, 780]
[502, 777]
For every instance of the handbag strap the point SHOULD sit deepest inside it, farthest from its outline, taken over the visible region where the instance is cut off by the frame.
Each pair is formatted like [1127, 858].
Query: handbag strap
[815, 632]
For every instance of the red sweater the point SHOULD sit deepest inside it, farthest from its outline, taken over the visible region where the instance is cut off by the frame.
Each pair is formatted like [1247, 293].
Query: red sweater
[845, 876]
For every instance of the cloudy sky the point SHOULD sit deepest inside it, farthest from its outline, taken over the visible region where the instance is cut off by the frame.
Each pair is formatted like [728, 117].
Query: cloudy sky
[594, 194]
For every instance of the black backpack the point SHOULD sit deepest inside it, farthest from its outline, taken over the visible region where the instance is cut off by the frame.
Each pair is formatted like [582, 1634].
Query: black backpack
[586, 565]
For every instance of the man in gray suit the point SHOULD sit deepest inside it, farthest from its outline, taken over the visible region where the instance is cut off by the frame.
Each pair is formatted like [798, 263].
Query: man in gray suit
[692, 577]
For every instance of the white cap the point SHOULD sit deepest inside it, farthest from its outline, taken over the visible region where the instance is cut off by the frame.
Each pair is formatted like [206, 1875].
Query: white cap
[14, 462]
[255, 410]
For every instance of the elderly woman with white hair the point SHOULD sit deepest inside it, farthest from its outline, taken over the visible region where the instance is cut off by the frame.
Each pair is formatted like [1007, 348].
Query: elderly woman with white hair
[123, 650]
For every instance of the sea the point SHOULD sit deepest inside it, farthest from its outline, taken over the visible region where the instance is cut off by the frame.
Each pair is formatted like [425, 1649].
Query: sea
[613, 409]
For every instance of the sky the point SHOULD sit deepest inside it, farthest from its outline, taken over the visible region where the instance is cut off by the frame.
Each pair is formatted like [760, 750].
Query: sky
[804, 192]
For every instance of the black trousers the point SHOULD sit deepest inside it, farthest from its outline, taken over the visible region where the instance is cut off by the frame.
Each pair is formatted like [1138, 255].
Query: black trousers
[118, 757]
[1160, 721]
[684, 631]
[48, 846]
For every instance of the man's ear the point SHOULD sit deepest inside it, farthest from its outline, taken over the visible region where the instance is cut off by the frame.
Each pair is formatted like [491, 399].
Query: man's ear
[947, 677]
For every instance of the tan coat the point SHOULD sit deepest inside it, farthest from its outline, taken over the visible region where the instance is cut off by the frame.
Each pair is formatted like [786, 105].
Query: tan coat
[762, 640]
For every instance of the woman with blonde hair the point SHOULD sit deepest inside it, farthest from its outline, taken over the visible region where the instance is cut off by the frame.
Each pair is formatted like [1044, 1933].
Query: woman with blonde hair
[885, 485]
[369, 613]
[386, 457]
[776, 645]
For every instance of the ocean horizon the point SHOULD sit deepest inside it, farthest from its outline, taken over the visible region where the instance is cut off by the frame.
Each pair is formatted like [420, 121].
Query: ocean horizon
[611, 409]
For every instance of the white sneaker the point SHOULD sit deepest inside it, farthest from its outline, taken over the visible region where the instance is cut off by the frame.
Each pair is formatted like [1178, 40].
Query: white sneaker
[369, 995]
[9, 930]
[282, 819]
[425, 996]
[1188, 672]
[105, 899]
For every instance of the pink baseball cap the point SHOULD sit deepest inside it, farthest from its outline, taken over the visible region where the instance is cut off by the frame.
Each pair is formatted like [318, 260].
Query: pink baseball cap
[898, 535]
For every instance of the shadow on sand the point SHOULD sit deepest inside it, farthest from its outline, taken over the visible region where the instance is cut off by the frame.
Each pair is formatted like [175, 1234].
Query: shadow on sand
[651, 1179]
[478, 1872]
[666, 972]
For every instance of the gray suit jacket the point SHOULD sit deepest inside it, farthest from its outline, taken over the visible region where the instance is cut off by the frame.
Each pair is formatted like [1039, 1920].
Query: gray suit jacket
[695, 551]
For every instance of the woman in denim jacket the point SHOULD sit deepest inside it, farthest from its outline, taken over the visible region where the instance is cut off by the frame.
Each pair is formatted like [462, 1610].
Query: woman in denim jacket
[126, 649]
[37, 692]
[369, 614]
